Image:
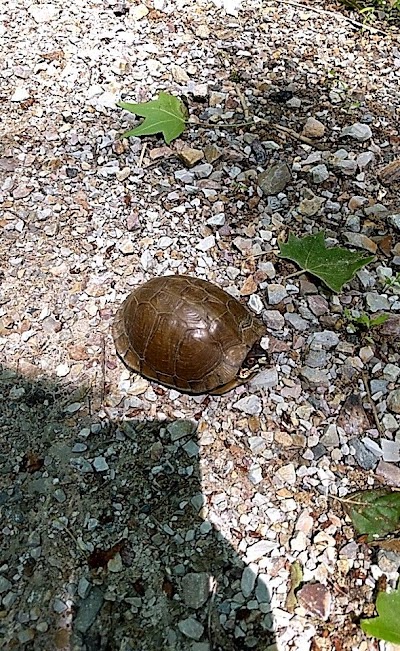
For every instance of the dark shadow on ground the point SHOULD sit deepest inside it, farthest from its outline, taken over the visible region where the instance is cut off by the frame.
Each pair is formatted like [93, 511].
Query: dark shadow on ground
[105, 540]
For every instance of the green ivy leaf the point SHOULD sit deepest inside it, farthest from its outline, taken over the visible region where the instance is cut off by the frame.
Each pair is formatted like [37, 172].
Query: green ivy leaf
[334, 266]
[387, 625]
[374, 512]
[166, 115]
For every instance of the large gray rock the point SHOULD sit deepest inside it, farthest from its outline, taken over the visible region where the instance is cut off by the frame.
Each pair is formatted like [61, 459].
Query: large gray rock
[275, 178]
[195, 589]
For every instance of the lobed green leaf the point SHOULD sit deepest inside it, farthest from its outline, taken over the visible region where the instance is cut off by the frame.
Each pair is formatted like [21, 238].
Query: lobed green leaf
[334, 266]
[166, 115]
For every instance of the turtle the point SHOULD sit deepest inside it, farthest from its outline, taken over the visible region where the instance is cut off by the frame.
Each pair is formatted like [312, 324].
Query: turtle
[187, 334]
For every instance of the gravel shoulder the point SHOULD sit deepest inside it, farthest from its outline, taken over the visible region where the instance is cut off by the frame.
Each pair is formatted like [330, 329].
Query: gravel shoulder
[134, 517]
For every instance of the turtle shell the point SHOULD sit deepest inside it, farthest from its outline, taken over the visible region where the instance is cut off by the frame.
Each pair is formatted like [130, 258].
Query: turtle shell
[185, 333]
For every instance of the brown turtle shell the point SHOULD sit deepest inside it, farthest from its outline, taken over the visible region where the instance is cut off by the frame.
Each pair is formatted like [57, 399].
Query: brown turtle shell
[185, 333]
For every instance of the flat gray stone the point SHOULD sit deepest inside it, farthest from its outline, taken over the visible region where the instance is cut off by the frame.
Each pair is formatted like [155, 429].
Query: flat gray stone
[364, 159]
[88, 610]
[390, 450]
[100, 464]
[348, 167]
[391, 372]
[248, 580]
[191, 448]
[331, 437]
[393, 401]
[326, 339]
[59, 606]
[378, 386]
[315, 377]
[250, 405]
[274, 319]
[195, 589]
[81, 465]
[262, 592]
[276, 293]
[184, 176]
[390, 423]
[275, 178]
[297, 321]
[395, 220]
[316, 359]
[83, 587]
[265, 379]
[180, 428]
[255, 475]
[318, 305]
[191, 628]
[319, 173]
[377, 209]
[5, 584]
[203, 170]
[357, 131]
[365, 458]
[360, 241]
[377, 302]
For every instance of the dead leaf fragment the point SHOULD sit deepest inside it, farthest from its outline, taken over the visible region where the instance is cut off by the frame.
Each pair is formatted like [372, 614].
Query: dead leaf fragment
[56, 55]
[8, 164]
[391, 327]
[160, 152]
[296, 577]
[352, 417]
[390, 173]
[31, 462]
[316, 599]
[100, 557]
[249, 286]
[78, 352]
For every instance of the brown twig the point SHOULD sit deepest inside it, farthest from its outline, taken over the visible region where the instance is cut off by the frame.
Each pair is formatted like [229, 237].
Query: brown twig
[294, 134]
[372, 404]
[209, 615]
[103, 370]
[295, 273]
[334, 14]
[221, 125]
[242, 101]
[142, 154]
[256, 119]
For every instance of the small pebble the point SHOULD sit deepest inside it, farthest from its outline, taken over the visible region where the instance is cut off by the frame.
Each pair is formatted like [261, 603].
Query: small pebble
[100, 464]
[357, 131]
[249, 405]
[195, 589]
[393, 401]
[276, 293]
[191, 628]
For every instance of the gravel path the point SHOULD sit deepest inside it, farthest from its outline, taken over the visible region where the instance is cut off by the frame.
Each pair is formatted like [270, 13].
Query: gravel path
[135, 518]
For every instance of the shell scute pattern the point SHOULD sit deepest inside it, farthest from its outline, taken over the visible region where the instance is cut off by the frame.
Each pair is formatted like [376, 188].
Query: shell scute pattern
[185, 333]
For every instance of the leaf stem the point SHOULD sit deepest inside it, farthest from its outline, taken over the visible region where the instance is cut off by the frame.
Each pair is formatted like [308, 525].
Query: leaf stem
[222, 125]
[295, 273]
[372, 404]
[253, 122]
